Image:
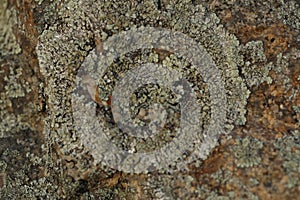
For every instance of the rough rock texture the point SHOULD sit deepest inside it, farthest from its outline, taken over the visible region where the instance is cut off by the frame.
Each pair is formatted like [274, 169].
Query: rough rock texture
[255, 46]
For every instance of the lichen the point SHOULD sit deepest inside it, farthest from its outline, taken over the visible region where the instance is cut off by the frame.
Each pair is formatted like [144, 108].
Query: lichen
[186, 186]
[281, 67]
[19, 171]
[246, 152]
[59, 49]
[69, 31]
[8, 42]
[14, 87]
[41, 188]
[289, 149]
[256, 68]
[160, 187]
[289, 13]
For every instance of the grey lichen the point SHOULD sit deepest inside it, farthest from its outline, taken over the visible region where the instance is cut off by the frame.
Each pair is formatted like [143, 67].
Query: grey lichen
[41, 188]
[8, 43]
[14, 87]
[289, 149]
[67, 41]
[7, 123]
[57, 67]
[205, 192]
[18, 184]
[256, 68]
[160, 187]
[185, 186]
[68, 35]
[289, 13]
[247, 152]
[8, 120]
[281, 67]
[3, 166]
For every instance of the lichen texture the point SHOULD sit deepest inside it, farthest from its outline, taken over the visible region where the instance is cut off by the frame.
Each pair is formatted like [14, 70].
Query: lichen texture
[153, 99]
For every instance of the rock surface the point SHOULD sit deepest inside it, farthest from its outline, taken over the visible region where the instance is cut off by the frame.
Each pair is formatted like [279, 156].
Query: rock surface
[255, 45]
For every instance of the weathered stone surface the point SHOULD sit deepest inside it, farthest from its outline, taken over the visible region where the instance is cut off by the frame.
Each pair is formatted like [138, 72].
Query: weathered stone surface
[255, 46]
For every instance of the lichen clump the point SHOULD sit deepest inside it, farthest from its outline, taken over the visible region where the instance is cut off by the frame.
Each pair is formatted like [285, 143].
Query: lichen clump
[247, 152]
[256, 69]
[289, 149]
[8, 42]
[60, 52]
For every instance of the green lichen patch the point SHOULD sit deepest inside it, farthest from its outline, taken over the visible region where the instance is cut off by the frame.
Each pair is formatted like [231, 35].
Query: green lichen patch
[247, 152]
[8, 43]
[256, 69]
[68, 39]
[69, 30]
[24, 167]
[17, 104]
[289, 149]
[289, 13]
